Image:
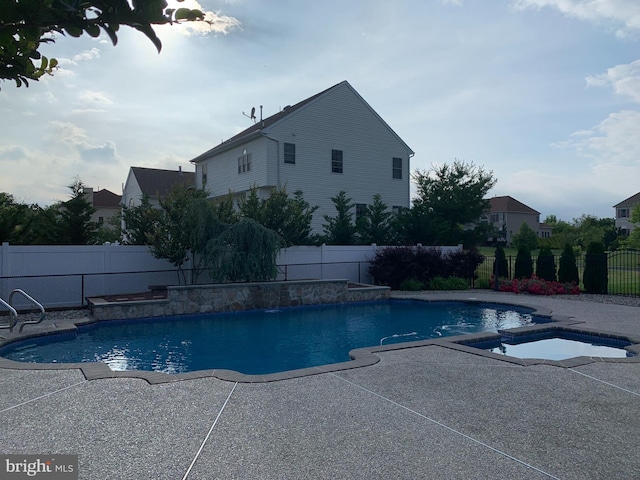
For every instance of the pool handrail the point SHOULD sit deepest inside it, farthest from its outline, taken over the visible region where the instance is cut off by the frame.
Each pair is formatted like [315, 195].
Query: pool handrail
[32, 300]
[13, 314]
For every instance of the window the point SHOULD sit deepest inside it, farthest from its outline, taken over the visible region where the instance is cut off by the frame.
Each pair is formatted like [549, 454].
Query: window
[336, 161]
[623, 213]
[244, 162]
[397, 168]
[101, 220]
[361, 211]
[204, 175]
[290, 153]
[397, 209]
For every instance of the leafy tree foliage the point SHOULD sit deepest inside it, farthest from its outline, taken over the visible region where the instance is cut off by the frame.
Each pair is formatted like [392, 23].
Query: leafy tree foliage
[25, 25]
[546, 265]
[170, 237]
[583, 230]
[525, 237]
[568, 270]
[596, 275]
[140, 222]
[340, 230]
[375, 226]
[288, 217]
[448, 198]
[524, 263]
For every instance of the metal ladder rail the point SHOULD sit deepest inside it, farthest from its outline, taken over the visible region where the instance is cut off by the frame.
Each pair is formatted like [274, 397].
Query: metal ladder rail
[32, 300]
[13, 314]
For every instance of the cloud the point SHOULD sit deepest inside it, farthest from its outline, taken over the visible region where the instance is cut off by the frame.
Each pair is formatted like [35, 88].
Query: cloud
[94, 99]
[75, 138]
[624, 79]
[457, 3]
[101, 153]
[622, 15]
[13, 152]
[214, 22]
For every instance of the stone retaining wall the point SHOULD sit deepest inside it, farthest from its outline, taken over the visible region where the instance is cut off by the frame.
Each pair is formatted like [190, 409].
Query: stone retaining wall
[237, 296]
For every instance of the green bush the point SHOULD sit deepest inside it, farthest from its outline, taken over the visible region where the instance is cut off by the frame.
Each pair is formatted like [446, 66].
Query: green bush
[568, 270]
[546, 265]
[524, 264]
[482, 284]
[595, 277]
[501, 263]
[411, 285]
[451, 283]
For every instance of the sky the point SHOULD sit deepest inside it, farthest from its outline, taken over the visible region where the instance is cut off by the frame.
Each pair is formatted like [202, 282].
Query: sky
[543, 93]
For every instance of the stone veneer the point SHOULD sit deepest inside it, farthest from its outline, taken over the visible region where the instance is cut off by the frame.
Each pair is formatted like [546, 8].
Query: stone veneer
[237, 296]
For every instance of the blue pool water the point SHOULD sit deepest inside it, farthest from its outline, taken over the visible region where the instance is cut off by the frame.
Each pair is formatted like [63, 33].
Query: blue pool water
[265, 341]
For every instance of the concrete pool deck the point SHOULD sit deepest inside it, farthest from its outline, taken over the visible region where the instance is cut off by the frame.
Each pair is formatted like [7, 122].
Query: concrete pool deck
[427, 412]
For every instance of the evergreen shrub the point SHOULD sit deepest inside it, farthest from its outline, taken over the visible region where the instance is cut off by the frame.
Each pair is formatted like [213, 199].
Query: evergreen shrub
[546, 265]
[595, 277]
[567, 269]
[524, 264]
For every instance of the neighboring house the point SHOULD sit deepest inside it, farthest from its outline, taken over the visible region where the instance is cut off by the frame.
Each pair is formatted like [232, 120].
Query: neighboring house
[106, 203]
[329, 142]
[623, 213]
[152, 182]
[507, 215]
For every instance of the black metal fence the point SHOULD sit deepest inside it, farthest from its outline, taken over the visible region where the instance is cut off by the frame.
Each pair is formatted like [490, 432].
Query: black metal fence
[623, 271]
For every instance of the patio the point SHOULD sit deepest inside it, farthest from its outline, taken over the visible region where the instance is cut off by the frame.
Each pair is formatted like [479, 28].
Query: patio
[428, 412]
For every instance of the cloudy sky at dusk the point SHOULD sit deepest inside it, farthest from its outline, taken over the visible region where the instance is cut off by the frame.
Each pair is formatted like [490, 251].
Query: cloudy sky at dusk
[545, 93]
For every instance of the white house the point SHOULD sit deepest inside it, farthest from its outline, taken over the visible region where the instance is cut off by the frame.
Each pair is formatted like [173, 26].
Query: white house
[623, 213]
[329, 142]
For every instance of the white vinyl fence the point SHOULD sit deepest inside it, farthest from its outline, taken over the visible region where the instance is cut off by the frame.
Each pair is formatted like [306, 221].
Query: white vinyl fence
[63, 276]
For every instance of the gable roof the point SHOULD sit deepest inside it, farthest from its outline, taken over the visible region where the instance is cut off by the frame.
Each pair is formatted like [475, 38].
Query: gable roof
[259, 127]
[509, 204]
[106, 199]
[156, 182]
[632, 200]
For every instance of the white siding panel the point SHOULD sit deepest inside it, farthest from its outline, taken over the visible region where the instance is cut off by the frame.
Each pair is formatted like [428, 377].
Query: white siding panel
[222, 173]
[341, 121]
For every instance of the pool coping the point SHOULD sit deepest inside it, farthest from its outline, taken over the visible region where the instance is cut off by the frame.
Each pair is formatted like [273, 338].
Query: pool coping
[360, 357]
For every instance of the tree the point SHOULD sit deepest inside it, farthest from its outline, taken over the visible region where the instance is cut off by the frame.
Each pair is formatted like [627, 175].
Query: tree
[595, 276]
[568, 270]
[288, 217]
[524, 264]
[244, 252]
[171, 235]
[340, 230]
[76, 225]
[448, 198]
[139, 222]
[500, 264]
[546, 265]
[525, 237]
[26, 25]
[375, 226]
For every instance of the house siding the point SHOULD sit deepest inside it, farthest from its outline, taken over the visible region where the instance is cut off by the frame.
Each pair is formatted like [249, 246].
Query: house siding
[132, 193]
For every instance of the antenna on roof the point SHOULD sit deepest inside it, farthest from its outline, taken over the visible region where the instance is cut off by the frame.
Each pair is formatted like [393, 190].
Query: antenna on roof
[253, 114]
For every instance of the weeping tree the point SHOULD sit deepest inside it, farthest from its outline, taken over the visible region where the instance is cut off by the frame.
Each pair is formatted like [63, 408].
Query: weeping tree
[244, 252]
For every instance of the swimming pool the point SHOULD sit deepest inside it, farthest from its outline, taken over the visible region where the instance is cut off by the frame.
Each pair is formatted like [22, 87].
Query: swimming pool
[264, 341]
